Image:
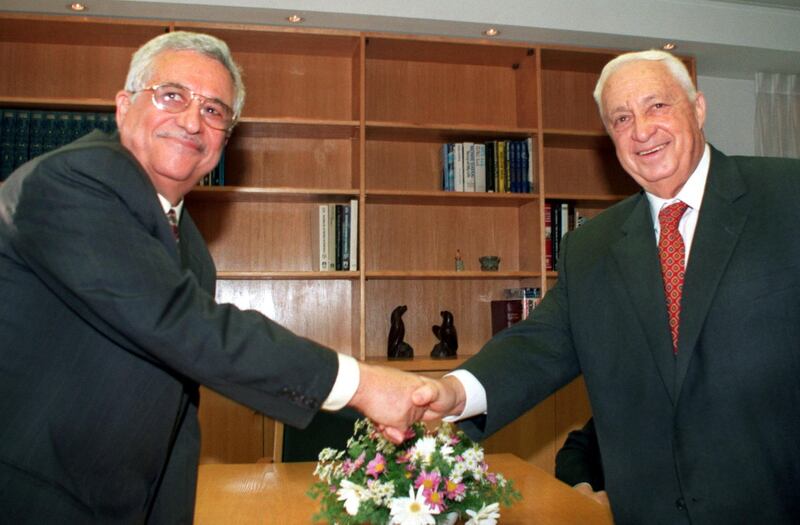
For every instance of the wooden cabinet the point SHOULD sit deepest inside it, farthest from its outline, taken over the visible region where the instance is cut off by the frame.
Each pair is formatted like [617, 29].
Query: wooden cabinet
[334, 116]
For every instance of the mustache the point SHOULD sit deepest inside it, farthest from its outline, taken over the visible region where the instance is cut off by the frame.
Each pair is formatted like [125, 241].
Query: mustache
[196, 142]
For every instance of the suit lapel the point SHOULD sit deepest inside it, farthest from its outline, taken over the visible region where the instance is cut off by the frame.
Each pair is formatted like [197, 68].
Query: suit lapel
[192, 254]
[722, 217]
[636, 255]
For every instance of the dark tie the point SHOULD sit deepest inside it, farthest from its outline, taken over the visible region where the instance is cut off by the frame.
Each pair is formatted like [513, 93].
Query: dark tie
[672, 252]
[172, 217]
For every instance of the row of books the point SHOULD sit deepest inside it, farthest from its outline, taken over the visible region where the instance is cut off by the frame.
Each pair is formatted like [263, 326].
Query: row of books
[25, 134]
[335, 242]
[501, 166]
[559, 218]
[517, 304]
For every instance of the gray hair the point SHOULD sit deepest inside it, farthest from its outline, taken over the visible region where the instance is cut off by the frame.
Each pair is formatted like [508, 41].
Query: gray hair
[141, 67]
[673, 64]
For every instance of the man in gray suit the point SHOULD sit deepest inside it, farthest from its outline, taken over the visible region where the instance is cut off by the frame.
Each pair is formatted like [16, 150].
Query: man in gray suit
[696, 402]
[108, 321]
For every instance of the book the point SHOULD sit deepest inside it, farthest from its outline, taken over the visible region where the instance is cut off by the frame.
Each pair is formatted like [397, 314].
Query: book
[548, 236]
[7, 128]
[36, 139]
[353, 235]
[490, 171]
[480, 167]
[21, 138]
[331, 230]
[501, 161]
[525, 167]
[469, 166]
[505, 313]
[319, 246]
[458, 167]
[344, 225]
[532, 165]
[338, 246]
[564, 222]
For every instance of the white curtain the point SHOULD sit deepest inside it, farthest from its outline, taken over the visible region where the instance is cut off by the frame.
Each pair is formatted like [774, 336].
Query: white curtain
[777, 127]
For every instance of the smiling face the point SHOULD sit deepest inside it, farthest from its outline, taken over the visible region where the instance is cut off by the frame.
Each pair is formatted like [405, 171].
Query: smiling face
[656, 129]
[175, 149]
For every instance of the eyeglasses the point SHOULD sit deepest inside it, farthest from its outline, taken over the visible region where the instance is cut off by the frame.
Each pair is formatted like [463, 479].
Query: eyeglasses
[175, 98]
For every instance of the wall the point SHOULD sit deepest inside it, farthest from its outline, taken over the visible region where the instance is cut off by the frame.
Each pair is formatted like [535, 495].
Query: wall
[730, 114]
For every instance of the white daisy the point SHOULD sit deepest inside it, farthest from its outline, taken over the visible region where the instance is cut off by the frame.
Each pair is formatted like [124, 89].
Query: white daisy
[424, 449]
[412, 510]
[352, 495]
[486, 516]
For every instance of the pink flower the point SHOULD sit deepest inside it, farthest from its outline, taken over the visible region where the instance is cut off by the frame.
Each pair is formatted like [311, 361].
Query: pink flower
[454, 490]
[434, 499]
[376, 467]
[428, 481]
[403, 457]
[351, 466]
[492, 477]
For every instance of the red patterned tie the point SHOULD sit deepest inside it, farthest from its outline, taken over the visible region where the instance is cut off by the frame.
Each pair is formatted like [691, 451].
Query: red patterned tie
[172, 217]
[672, 252]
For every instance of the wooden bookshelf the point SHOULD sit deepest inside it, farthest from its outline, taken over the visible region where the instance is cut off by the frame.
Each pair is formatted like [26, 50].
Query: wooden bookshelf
[336, 115]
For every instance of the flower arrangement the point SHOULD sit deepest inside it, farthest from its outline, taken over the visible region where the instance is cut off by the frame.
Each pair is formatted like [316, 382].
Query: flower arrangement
[433, 477]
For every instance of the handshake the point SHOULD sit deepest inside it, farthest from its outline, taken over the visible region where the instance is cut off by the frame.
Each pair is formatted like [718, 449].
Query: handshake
[394, 400]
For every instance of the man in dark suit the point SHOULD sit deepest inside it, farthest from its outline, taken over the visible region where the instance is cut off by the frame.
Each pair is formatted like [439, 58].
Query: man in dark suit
[696, 403]
[108, 321]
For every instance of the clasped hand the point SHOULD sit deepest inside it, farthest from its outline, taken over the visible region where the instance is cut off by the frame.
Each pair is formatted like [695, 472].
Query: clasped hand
[394, 399]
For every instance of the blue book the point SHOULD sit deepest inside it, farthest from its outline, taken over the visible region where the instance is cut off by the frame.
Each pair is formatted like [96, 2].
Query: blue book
[524, 168]
[21, 138]
[36, 141]
[8, 126]
[50, 131]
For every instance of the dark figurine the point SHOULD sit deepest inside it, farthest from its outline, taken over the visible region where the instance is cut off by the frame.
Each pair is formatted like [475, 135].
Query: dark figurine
[397, 348]
[448, 339]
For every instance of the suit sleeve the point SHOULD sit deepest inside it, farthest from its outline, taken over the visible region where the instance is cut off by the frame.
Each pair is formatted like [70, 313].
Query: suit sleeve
[87, 222]
[525, 363]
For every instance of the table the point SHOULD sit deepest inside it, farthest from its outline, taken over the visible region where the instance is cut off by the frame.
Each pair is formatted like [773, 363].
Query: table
[274, 493]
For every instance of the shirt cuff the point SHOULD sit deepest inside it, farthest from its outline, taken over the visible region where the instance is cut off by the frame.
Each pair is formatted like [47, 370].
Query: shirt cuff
[346, 384]
[475, 403]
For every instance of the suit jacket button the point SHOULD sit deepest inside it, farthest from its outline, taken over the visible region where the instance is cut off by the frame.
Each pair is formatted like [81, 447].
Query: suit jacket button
[680, 504]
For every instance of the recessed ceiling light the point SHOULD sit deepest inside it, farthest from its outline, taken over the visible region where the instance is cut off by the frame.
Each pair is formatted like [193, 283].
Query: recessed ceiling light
[295, 19]
[492, 31]
[77, 6]
[669, 46]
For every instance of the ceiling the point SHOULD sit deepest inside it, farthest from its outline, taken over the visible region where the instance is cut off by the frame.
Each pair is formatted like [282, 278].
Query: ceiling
[729, 38]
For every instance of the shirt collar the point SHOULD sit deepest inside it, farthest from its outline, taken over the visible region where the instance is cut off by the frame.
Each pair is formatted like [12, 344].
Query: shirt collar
[167, 206]
[692, 191]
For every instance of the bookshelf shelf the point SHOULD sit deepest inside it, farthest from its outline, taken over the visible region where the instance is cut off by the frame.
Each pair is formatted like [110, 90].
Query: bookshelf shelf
[56, 103]
[296, 128]
[449, 198]
[450, 275]
[384, 130]
[252, 194]
[286, 276]
[598, 198]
